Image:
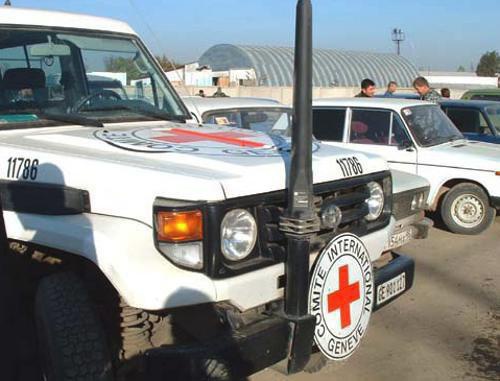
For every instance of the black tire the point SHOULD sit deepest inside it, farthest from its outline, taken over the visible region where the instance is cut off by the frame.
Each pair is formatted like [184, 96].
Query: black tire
[466, 209]
[71, 338]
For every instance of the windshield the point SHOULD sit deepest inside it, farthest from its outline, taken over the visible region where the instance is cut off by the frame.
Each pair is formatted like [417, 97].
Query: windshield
[269, 120]
[493, 113]
[51, 77]
[430, 125]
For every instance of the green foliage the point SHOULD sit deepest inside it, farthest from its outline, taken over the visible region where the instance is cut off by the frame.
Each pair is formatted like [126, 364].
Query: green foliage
[123, 65]
[489, 64]
[461, 69]
[167, 64]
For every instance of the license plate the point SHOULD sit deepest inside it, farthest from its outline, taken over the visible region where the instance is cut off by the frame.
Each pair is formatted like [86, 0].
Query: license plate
[391, 288]
[400, 239]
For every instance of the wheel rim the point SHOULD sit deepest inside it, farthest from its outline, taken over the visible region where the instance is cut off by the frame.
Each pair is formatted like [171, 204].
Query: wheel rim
[467, 210]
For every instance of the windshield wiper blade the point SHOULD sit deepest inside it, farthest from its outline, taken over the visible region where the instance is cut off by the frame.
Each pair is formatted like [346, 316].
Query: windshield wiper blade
[154, 113]
[72, 118]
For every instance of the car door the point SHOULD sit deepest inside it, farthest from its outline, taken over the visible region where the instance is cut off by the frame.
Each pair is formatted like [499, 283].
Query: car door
[382, 132]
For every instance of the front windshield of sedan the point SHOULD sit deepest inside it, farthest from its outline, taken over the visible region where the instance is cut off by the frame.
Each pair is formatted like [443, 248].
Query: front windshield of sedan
[493, 113]
[430, 125]
[52, 75]
[269, 120]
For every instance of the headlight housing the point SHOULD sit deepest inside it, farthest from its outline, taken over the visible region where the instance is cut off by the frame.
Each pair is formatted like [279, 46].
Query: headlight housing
[375, 202]
[238, 234]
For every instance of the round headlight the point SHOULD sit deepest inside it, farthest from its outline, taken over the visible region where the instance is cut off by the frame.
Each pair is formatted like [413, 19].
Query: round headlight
[376, 201]
[238, 234]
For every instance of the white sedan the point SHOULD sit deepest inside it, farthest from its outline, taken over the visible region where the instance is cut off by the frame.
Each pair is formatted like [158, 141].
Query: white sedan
[417, 137]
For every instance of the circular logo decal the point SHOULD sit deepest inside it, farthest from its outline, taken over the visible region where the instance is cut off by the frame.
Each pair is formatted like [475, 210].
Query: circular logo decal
[214, 140]
[341, 296]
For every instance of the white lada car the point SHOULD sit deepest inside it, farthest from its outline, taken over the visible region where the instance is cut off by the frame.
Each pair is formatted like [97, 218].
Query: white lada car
[417, 137]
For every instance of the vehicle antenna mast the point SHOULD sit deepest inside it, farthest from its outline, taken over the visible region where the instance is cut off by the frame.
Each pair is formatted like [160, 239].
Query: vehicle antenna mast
[300, 222]
[398, 36]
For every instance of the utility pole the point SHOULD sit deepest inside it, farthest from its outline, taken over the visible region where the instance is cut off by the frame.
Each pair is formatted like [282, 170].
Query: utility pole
[398, 36]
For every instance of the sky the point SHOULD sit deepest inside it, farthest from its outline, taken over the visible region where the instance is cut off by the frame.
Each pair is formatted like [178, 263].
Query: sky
[440, 34]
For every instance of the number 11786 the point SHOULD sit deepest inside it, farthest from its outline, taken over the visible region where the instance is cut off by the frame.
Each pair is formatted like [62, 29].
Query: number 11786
[22, 168]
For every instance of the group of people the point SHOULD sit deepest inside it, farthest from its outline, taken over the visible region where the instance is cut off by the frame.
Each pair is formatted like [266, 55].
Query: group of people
[420, 84]
[218, 94]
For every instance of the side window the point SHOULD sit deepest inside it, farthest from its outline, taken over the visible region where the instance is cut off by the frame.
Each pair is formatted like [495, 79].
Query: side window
[399, 137]
[328, 125]
[370, 127]
[466, 120]
[483, 125]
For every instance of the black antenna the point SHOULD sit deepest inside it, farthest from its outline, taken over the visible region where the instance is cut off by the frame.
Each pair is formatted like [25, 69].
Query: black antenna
[300, 222]
[398, 36]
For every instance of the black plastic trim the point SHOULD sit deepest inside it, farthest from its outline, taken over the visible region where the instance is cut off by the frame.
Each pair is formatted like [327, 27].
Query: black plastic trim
[43, 198]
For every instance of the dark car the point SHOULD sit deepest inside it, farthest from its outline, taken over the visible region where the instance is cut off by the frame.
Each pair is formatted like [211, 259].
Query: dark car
[477, 120]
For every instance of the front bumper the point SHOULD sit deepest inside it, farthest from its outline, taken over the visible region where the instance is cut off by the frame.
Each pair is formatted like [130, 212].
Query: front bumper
[407, 229]
[256, 346]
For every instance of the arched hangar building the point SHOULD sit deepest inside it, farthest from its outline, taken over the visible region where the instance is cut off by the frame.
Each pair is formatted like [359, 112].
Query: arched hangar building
[273, 66]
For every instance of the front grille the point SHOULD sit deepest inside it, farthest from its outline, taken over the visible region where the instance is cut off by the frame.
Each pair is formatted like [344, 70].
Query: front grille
[402, 203]
[350, 200]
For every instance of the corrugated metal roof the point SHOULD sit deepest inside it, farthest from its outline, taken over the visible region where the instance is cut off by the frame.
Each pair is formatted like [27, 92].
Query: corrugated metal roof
[274, 65]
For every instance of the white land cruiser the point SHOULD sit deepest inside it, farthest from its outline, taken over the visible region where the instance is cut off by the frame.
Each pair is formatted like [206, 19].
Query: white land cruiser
[409, 191]
[174, 251]
[417, 137]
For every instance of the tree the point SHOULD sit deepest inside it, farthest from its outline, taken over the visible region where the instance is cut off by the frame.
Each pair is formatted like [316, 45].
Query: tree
[461, 69]
[167, 64]
[123, 65]
[489, 64]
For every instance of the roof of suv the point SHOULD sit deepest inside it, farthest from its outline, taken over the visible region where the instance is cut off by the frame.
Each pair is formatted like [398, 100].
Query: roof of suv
[388, 103]
[32, 17]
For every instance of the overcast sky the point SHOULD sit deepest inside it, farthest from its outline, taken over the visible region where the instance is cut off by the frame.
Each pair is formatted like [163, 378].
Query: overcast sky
[440, 34]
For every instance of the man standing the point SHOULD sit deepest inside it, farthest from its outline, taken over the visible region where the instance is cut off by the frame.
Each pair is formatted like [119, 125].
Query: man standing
[392, 86]
[422, 87]
[367, 89]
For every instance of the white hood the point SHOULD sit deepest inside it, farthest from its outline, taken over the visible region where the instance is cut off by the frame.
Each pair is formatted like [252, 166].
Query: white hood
[463, 154]
[126, 167]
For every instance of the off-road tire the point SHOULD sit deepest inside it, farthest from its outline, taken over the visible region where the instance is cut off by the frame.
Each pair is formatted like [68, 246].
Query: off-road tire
[71, 338]
[461, 194]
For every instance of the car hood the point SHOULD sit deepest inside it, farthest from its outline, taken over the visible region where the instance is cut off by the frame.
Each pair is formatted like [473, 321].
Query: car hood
[463, 154]
[125, 167]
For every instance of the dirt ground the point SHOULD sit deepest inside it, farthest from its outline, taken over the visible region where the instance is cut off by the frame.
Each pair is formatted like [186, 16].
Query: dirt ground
[446, 328]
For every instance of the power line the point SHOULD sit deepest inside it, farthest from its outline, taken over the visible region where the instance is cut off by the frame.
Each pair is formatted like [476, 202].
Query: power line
[398, 36]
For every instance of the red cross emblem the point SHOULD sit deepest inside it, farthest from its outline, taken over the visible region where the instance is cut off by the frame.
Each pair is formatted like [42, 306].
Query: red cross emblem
[343, 297]
[178, 135]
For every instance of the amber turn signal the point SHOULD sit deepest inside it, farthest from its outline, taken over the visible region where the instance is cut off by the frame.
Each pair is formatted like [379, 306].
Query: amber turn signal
[181, 226]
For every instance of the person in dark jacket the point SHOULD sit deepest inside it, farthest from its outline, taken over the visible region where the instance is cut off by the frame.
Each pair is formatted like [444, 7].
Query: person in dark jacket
[367, 89]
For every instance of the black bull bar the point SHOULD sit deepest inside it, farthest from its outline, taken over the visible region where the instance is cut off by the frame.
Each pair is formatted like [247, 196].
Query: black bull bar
[257, 346]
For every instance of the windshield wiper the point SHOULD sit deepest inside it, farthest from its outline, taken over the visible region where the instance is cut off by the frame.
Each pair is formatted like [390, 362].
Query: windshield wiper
[151, 112]
[71, 118]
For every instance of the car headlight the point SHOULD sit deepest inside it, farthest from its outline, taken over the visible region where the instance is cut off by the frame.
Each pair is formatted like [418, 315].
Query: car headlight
[375, 203]
[238, 234]
[417, 201]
